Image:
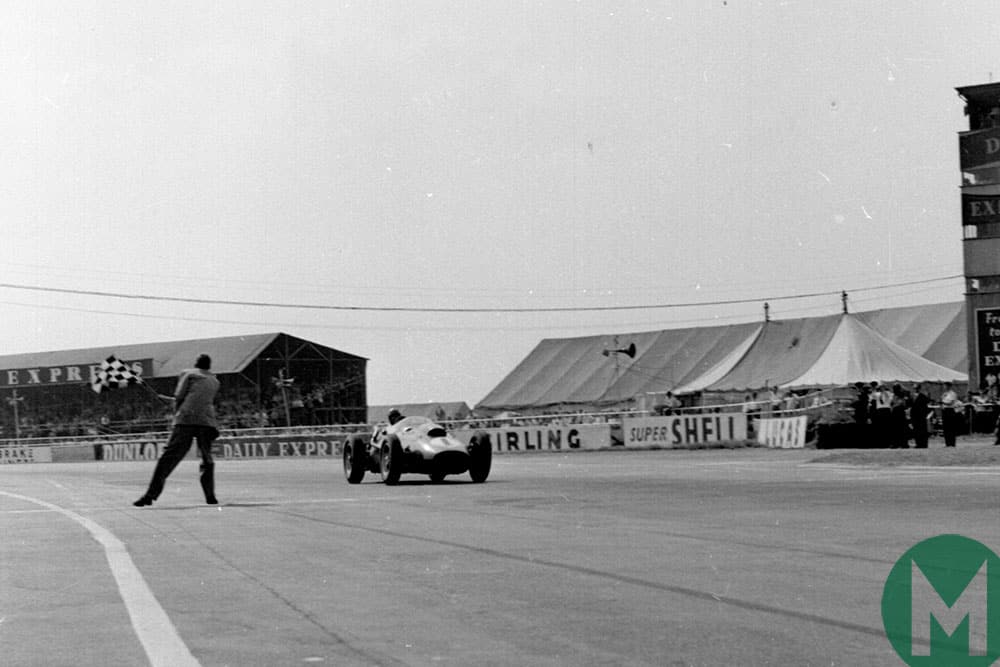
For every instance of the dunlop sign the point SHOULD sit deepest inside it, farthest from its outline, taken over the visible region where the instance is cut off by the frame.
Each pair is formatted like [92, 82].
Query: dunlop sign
[782, 433]
[255, 447]
[683, 430]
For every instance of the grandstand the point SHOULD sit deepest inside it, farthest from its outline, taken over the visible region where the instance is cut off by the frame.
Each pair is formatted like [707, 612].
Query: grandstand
[51, 395]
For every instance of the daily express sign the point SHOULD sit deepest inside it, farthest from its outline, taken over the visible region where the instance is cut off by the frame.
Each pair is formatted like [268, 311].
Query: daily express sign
[682, 430]
[230, 448]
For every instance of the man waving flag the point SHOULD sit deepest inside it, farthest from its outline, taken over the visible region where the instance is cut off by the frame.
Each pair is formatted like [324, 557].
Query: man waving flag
[114, 373]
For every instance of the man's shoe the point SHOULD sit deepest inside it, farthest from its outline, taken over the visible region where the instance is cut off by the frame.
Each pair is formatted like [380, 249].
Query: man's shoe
[211, 501]
[142, 502]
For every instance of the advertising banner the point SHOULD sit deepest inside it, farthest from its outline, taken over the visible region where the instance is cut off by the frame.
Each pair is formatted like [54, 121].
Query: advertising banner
[980, 209]
[254, 447]
[68, 374]
[25, 455]
[683, 430]
[988, 341]
[783, 432]
[548, 438]
[979, 148]
[311, 446]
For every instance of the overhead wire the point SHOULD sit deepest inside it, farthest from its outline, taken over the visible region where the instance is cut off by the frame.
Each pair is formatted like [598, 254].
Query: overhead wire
[432, 309]
[309, 284]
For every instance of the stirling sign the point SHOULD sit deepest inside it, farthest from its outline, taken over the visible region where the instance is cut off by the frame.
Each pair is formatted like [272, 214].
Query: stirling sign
[941, 604]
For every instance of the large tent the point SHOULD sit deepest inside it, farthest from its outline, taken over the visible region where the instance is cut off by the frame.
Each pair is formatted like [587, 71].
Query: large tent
[595, 371]
[829, 351]
[935, 332]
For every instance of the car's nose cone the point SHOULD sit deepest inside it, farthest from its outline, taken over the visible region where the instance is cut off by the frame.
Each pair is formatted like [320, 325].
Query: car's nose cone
[451, 462]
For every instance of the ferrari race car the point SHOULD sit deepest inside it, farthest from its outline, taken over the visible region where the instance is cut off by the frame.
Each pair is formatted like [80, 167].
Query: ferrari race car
[416, 445]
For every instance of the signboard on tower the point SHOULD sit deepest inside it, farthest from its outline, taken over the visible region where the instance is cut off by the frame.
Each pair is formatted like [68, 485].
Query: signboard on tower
[988, 341]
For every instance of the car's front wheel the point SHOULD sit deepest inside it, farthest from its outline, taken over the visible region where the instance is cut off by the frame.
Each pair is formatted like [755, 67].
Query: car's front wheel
[354, 459]
[391, 460]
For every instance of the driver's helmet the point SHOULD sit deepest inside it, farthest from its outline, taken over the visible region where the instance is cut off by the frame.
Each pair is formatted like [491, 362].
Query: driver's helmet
[394, 416]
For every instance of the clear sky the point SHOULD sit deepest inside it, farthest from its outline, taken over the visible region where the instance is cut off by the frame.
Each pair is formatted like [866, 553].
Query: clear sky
[473, 155]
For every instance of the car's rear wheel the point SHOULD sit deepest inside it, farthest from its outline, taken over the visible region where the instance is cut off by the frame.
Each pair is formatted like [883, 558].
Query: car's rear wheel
[391, 460]
[480, 456]
[354, 459]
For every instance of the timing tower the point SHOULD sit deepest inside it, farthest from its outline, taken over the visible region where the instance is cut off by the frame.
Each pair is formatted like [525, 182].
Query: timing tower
[979, 159]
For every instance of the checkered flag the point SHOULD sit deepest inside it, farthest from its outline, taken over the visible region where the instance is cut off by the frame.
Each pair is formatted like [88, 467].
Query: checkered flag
[114, 373]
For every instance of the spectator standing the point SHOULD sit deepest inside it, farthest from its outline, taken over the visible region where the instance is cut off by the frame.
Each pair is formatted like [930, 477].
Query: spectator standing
[920, 409]
[774, 401]
[748, 409]
[882, 418]
[861, 407]
[951, 413]
[900, 424]
[194, 419]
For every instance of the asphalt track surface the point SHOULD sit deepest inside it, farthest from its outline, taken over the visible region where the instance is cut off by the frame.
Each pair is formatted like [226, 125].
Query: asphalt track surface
[736, 557]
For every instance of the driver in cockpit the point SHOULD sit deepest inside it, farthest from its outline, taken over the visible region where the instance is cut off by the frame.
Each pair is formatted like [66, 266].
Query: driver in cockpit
[393, 417]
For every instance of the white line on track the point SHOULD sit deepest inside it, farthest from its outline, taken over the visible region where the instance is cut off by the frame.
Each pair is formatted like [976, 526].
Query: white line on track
[235, 505]
[158, 636]
[904, 470]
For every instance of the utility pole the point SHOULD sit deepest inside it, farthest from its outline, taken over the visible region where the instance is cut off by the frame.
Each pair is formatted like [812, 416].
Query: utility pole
[14, 401]
[284, 383]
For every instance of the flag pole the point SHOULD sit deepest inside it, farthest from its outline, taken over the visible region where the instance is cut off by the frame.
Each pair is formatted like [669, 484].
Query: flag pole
[162, 397]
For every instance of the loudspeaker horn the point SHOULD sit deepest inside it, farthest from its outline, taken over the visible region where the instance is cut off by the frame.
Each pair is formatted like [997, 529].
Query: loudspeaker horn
[630, 351]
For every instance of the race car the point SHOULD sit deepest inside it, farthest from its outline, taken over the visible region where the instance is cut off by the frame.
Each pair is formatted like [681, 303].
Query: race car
[416, 445]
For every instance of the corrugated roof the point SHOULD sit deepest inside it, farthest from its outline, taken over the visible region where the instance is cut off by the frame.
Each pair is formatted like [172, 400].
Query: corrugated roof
[230, 354]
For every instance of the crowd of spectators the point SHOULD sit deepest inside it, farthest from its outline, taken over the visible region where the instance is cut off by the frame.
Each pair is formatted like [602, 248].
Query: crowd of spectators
[316, 405]
[133, 410]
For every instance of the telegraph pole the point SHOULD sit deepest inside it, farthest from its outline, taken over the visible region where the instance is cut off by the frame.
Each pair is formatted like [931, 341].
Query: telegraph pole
[284, 383]
[14, 401]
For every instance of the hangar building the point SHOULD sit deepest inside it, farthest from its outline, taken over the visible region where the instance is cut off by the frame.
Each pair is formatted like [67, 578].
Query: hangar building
[51, 394]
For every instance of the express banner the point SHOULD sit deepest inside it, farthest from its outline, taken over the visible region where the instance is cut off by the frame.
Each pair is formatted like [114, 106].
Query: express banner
[782, 433]
[980, 209]
[549, 438]
[683, 430]
[67, 374]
